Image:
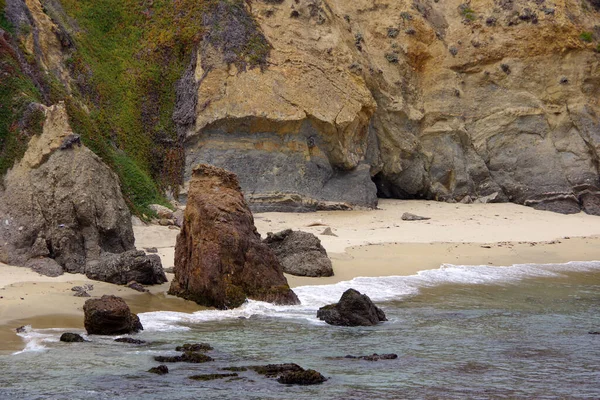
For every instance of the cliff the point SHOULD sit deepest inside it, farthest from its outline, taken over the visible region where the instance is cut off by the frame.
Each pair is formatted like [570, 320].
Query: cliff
[318, 104]
[488, 100]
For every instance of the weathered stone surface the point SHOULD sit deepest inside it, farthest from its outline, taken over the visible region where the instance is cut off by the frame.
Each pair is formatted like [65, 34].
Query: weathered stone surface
[219, 257]
[64, 204]
[129, 340]
[464, 109]
[353, 309]
[71, 337]
[300, 253]
[109, 315]
[307, 377]
[45, 266]
[413, 217]
[188, 356]
[160, 370]
[133, 265]
[161, 211]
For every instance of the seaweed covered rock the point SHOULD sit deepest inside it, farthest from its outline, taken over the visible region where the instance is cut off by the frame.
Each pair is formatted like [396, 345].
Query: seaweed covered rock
[160, 370]
[109, 315]
[132, 265]
[306, 377]
[353, 309]
[62, 204]
[220, 260]
[300, 253]
[188, 356]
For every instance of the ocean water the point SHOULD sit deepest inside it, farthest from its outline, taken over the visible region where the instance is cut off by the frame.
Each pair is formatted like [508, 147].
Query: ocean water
[460, 332]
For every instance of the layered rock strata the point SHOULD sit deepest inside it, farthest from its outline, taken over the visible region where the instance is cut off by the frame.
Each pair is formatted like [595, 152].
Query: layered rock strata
[220, 260]
[492, 100]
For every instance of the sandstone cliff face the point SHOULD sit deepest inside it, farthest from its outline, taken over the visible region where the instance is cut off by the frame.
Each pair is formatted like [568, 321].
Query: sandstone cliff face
[219, 257]
[62, 202]
[492, 99]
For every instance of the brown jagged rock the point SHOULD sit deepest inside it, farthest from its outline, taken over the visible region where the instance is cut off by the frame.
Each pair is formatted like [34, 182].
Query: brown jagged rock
[300, 253]
[63, 204]
[219, 257]
[353, 309]
[109, 315]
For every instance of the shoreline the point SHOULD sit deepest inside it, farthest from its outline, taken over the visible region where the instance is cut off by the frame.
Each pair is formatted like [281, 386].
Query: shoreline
[368, 243]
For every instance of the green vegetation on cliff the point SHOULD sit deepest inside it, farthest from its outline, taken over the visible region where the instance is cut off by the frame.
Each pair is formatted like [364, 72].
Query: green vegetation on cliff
[124, 59]
[18, 121]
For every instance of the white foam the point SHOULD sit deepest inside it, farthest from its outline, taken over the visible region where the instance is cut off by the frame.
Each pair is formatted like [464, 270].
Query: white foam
[34, 339]
[379, 289]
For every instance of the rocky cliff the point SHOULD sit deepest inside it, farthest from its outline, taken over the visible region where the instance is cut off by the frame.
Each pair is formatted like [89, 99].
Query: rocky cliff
[318, 104]
[495, 100]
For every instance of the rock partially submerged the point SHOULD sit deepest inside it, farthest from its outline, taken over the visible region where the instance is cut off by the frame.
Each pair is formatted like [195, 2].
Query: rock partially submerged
[300, 253]
[307, 377]
[71, 337]
[188, 356]
[129, 340]
[353, 309]
[290, 374]
[220, 260]
[109, 315]
[375, 357]
[160, 370]
[194, 347]
[132, 265]
[210, 377]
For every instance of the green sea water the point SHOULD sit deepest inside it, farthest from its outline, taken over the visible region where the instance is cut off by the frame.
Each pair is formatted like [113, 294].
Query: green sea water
[459, 332]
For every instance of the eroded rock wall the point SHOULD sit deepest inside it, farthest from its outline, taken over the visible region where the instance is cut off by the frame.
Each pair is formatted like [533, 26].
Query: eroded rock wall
[494, 100]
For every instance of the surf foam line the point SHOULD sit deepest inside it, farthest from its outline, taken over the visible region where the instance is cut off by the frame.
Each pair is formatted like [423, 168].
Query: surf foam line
[34, 339]
[379, 289]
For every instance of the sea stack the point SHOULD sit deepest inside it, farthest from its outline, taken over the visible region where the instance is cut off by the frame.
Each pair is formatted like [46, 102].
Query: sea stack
[220, 260]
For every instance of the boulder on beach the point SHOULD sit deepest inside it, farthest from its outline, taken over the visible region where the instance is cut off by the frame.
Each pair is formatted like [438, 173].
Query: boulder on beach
[61, 202]
[109, 315]
[132, 265]
[353, 309]
[300, 253]
[220, 260]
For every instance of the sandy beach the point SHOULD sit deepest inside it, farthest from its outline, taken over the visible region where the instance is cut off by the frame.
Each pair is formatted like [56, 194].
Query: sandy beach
[368, 243]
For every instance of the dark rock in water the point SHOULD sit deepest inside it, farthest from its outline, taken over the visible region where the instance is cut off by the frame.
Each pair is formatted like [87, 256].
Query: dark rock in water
[133, 265]
[300, 253]
[328, 232]
[189, 357]
[594, 332]
[130, 340]
[210, 377]
[412, 217]
[307, 377]
[220, 260]
[194, 347]
[21, 329]
[136, 286]
[45, 266]
[160, 370]
[109, 315]
[272, 370]
[235, 369]
[71, 337]
[353, 309]
[375, 357]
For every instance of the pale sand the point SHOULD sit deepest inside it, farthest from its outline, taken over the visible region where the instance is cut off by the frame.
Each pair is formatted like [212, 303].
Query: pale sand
[457, 234]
